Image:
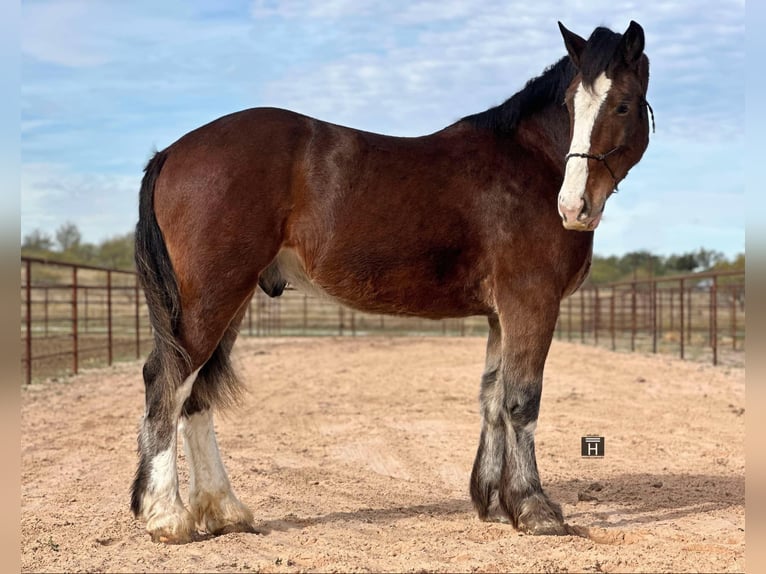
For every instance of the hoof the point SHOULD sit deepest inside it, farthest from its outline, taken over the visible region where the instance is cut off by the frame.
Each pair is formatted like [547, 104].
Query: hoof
[540, 516]
[495, 513]
[172, 529]
[221, 513]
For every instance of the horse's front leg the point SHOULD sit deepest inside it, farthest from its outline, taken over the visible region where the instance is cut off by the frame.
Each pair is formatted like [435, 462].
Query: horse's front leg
[488, 466]
[505, 464]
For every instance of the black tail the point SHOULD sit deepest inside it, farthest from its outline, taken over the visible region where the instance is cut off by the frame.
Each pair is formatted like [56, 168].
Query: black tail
[168, 362]
[158, 280]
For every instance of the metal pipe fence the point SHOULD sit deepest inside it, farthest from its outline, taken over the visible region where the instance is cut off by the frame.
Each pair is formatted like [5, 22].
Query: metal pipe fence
[699, 316]
[77, 316]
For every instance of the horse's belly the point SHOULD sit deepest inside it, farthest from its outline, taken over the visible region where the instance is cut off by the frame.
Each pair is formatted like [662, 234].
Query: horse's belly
[388, 289]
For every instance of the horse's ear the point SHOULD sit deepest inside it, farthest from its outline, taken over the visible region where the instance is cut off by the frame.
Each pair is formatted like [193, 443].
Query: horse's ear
[574, 43]
[632, 43]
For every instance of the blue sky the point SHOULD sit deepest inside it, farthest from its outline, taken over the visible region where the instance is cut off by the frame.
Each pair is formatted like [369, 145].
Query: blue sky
[103, 83]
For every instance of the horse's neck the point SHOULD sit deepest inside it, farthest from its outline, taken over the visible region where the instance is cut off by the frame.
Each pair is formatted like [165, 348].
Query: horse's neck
[546, 134]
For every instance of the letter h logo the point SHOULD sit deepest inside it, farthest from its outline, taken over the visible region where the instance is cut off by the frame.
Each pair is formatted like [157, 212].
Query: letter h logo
[592, 446]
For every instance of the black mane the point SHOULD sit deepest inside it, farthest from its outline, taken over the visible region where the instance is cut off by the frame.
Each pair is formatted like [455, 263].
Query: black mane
[550, 87]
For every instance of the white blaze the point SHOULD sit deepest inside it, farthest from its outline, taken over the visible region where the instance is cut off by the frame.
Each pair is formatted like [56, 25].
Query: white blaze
[587, 104]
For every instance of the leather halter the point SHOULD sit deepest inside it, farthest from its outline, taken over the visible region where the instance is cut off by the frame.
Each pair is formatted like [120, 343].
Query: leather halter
[602, 156]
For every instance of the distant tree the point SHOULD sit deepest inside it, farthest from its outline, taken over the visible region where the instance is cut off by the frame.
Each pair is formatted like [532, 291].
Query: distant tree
[641, 263]
[117, 252]
[37, 241]
[708, 258]
[605, 269]
[685, 263]
[738, 264]
[68, 237]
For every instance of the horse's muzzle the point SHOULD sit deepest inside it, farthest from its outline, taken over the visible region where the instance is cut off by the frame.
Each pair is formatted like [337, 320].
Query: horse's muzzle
[579, 219]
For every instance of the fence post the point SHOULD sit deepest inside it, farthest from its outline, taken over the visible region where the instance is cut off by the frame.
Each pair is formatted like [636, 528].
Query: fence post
[45, 290]
[582, 315]
[689, 316]
[74, 322]
[569, 318]
[681, 318]
[733, 318]
[659, 312]
[85, 310]
[714, 318]
[596, 314]
[633, 316]
[654, 316]
[672, 314]
[109, 316]
[28, 289]
[611, 318]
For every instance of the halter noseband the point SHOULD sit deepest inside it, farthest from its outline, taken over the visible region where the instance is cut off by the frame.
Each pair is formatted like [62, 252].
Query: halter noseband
[602, 156]
[598, 157]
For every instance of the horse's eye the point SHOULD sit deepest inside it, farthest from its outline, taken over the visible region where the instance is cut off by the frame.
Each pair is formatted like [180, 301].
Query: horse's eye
[622, 109]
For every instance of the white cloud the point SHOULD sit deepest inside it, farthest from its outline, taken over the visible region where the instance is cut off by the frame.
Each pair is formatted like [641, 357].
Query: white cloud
[101, 205]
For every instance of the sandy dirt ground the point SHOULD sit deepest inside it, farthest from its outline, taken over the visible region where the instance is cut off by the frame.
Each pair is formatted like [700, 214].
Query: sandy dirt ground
[355, 454]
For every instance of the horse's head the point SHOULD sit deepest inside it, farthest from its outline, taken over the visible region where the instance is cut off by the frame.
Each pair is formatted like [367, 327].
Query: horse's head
[608, 120]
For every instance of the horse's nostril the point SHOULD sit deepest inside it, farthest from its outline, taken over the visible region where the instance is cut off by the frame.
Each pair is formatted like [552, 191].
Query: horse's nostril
[585, 212]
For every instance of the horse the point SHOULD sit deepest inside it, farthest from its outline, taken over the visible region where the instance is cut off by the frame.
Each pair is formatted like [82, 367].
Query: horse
[493, 215]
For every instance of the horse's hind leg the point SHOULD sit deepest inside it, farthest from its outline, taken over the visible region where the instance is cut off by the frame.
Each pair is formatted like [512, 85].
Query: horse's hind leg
[206, 344]
[155, 487]
[215, 507]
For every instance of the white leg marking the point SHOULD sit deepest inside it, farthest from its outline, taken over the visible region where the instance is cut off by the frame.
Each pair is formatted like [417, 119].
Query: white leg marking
[213, 503]
[162, 504]
[205, 465]
[587, 105]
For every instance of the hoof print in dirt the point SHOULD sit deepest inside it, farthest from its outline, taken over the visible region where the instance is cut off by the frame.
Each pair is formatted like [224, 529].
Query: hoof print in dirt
[587, 495]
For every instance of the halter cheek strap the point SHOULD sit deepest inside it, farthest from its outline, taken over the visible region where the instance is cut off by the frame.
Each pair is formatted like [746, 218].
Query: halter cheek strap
[602, 156]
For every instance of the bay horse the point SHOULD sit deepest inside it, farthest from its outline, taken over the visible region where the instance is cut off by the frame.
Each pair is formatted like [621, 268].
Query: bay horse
[492, 215]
